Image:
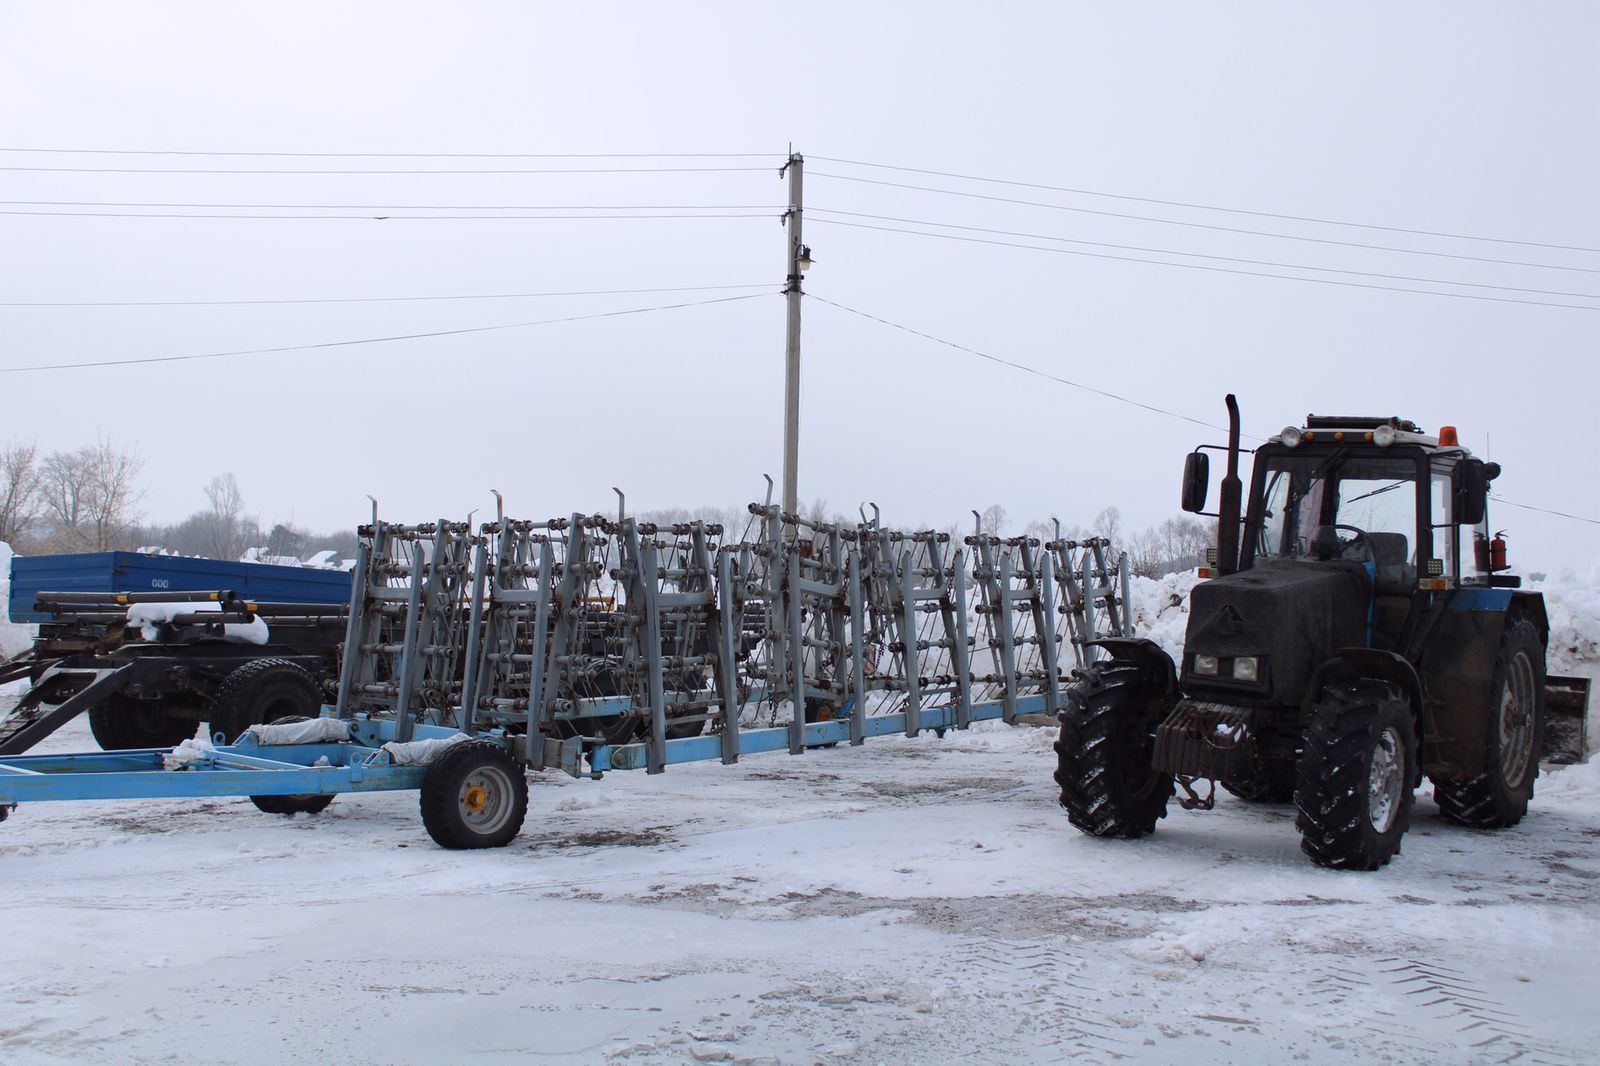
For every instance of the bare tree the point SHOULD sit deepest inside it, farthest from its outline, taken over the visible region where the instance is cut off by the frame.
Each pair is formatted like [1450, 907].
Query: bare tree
[225, 518]
[19, 489]
[1108, 524]
[90, 494]
[993, 521]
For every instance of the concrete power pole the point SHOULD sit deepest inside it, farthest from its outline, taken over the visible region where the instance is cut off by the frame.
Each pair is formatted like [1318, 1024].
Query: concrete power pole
[798, 259]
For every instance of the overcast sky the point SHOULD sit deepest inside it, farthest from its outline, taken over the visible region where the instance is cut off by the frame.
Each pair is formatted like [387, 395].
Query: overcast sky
[1474, 119]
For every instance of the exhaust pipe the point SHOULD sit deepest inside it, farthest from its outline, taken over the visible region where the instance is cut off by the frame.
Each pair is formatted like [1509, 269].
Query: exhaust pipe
[1228, 509]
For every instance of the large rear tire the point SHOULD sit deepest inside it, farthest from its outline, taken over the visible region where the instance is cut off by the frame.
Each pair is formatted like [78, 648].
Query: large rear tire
[1356, 771]
[299, 803]
[1108, 786]
[263, 690]
[1498, 797]
[124, 722]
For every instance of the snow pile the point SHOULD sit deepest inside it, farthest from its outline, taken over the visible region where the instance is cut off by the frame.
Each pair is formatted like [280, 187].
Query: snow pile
[14, 636]
[1161, 608]
[150, 617]
[187, 754]
[1573, 604]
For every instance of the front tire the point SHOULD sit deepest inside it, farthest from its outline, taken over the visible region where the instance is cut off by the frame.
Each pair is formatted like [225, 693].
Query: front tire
[123, 722]
[474, 796]
[1354, 789]
[1498, 797]
[1108, 786]
[299, 803]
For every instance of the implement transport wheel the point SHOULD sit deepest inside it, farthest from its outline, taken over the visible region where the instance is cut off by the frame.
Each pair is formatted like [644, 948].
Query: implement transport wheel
[124, 722]
[263, 690]
[1354, 788]
[474, 796]
[1271, 781]
[1103, 755]
[301, 803]
[1498, 797]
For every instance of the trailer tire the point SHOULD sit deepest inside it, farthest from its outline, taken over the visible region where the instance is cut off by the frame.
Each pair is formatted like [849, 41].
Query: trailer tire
[1498, 797]
[299, 803]
[263, 690]
[1354, 791]
[1108, 786]
[123, 722]
[475, 795]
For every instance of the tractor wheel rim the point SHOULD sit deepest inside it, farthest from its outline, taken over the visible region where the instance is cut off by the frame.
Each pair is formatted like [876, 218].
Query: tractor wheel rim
[1516, 720]
[1383, 780]
[485, 799]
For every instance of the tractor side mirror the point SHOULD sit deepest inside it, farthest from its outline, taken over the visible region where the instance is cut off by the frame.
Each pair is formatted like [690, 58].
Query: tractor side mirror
[1196, 481]
[1470, 483]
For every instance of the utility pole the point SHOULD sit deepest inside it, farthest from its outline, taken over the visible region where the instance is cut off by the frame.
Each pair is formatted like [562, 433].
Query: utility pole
[798, 258]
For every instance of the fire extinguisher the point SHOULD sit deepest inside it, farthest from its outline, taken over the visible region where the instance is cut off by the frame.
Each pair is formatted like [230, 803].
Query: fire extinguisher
[1497, 552]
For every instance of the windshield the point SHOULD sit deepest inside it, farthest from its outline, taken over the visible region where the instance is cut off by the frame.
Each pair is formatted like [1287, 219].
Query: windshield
[1300, 492]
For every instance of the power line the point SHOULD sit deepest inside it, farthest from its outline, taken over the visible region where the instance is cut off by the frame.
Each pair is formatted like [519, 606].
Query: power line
[1208, 207]
[378, 218]
[1546, 510]
[1205, 225]
[1200, 255]
[544, 170]
[1014, 365]
[408, 155]
[1103, 392]
[402, 207]
[373, 340]
[1212, 269]
[372, 299]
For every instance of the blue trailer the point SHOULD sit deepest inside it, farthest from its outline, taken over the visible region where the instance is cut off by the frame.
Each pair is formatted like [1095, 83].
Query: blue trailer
[151, 646]
[134, 572]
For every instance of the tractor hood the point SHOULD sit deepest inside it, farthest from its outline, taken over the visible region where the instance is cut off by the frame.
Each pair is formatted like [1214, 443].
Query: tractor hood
[1291, 614]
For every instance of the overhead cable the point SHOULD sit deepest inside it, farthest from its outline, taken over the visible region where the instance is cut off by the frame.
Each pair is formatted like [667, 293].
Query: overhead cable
[371, 340]
[1207, 207]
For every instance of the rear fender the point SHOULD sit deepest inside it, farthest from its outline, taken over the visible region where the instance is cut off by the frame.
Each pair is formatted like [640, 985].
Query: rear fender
[1156, 668]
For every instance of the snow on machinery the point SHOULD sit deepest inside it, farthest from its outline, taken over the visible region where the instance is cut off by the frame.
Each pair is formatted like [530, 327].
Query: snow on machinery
[590, 644]
[1350, 640]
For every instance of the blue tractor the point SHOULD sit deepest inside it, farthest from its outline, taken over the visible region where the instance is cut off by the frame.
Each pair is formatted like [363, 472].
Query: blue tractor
[1355, 633]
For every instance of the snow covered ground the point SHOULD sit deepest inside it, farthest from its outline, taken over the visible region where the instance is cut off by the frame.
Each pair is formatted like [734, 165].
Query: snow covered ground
[914, 901]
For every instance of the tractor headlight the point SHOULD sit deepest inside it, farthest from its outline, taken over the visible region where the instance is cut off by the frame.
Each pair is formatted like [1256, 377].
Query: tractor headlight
[1290, 437]
[1205, 665]
[1383, 436]
[1246, 668]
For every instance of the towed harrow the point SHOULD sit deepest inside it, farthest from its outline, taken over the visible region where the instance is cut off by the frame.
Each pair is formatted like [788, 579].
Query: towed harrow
[589, 644]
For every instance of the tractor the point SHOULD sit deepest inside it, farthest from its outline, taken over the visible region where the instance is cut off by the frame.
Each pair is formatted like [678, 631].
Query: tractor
[1354, 632]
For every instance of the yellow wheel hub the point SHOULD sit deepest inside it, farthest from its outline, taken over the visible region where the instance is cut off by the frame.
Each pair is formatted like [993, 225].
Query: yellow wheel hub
[475, 799]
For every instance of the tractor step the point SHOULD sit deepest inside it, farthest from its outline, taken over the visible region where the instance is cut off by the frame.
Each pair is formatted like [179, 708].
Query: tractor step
[1566, 720]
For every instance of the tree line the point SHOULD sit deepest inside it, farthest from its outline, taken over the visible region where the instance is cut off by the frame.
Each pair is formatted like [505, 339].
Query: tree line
[87, 500]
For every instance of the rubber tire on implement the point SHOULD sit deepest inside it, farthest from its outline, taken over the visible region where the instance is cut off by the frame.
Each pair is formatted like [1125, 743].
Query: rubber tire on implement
[475, 795]
[123, 722]
[1493, 799]
[299, 803]
[1103, 755]
[263, 690]
[1333, 795]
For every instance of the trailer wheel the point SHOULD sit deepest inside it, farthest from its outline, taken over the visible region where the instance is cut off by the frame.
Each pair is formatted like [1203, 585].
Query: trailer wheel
[1272, 782]
[300, 803]
[263, 690]
[124, 722]
[1354, 789]
[474, 796]
[1498, 797]
[1108, 786]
